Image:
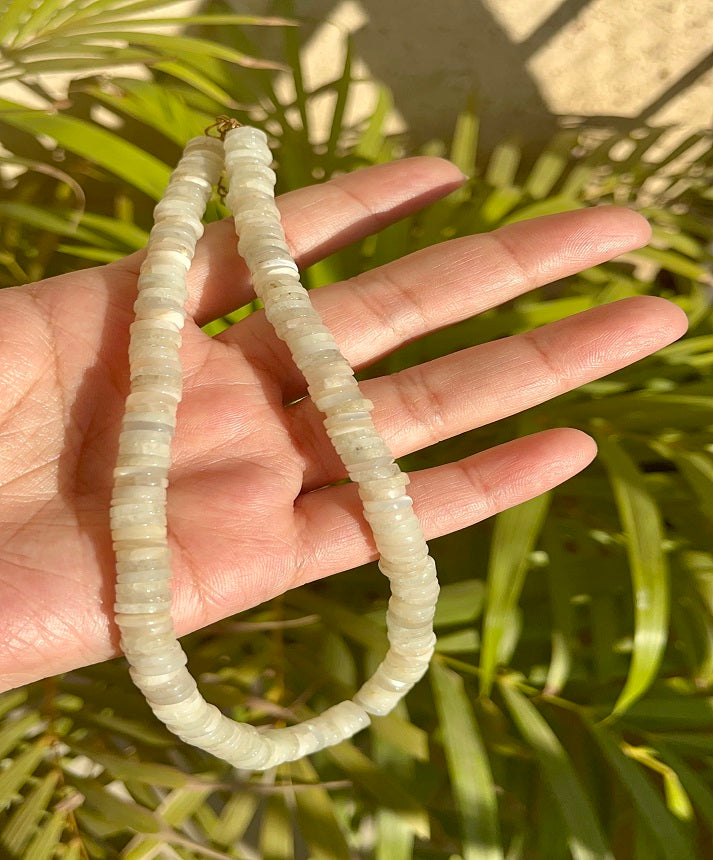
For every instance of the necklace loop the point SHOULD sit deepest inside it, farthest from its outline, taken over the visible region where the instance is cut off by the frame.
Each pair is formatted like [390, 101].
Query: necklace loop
[138, 507]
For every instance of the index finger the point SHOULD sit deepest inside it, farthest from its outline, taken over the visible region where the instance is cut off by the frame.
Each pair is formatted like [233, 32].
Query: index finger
[318, 220]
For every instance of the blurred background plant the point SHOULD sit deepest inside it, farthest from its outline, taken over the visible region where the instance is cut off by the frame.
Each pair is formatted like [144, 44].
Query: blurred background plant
[569, 710]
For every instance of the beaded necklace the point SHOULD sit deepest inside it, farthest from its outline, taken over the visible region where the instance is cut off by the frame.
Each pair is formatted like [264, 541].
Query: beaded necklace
[138, 508]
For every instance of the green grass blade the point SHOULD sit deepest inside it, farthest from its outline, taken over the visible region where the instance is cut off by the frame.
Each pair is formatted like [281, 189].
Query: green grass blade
[99, 145]
[585, 836]
[563, 625]
[34, 24]
[44, 218]
[408, 739]
[11, 700]
[370, 145]
[46, 839]
[381, 786]
[162, 108]
[198, 81]
[647, 802]
[14, 777]
[516, 531]
[23, 822]
[550, 166]
[697, 469]
[468, 767]
[643, 529]
[693, 783]
[235, 818]
[149, 772]
[116, 810]
[670, 261]
[465, 139]
[460, 603]
[10, 20]
[355, 627]
[502, 166]
[342, 88]
[317, 817]
[89, 252]
[117, 230]
[394, 837]
[15, 730]
[276, 840]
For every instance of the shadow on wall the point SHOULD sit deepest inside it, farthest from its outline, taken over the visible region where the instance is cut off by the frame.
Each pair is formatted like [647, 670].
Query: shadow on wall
[405, 49]
[432, 56]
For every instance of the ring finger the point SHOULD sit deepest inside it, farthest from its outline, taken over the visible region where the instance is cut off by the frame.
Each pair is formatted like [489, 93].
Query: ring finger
[434, 401]
[375, 313]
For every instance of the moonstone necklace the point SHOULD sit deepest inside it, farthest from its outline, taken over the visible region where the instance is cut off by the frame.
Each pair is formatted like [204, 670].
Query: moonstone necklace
[138, 507]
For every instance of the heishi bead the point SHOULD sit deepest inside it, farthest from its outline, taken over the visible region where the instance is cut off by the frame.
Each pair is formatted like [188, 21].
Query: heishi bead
[138, 505]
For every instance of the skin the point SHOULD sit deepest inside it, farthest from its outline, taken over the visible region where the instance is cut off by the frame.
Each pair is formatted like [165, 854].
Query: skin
[251, 513]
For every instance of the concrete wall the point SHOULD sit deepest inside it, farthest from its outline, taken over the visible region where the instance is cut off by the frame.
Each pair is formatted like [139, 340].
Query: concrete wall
[526, 60]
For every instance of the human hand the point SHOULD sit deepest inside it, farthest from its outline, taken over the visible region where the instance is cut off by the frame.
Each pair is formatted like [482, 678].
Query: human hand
[250, 510]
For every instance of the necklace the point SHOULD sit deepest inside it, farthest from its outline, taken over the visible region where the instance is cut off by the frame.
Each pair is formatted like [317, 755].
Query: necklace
[138, 508]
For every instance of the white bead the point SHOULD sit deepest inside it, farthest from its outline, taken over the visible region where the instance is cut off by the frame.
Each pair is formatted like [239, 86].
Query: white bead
[138, 506]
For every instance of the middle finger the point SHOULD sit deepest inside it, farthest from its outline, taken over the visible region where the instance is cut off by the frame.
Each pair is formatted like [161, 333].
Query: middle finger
[428, 403]
[373, 314]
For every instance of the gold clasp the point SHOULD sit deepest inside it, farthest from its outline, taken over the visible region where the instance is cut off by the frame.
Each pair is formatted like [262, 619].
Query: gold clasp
[222, 126]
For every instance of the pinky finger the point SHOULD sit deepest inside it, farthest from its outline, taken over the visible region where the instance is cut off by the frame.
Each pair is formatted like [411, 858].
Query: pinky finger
[446, 498]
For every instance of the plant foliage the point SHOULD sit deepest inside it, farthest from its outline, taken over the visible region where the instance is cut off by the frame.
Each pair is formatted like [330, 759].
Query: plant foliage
[569, 710]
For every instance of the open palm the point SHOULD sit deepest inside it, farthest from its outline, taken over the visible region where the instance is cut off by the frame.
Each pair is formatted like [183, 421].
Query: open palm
[252, 511]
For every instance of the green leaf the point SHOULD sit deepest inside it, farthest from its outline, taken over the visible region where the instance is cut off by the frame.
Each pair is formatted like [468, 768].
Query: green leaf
[370, 145]
[335, 615]
[162, 108]
[468, 767]
[316, 816]
[24, 765]
[15, 730]
[342, 87]
[235, 817]
[382, 787]
[46, 839]
[401, 734]
[116, 810]
[11, 700]
[44, 218]
[89, 252]
[697, 469]
[117, 230]
[563, 625]
[181, 803]
[585, 836]
[671, 714]
[460, 603]
[550, 166]
[13, 13]
[516, 531]
[99, 145]
[646, 801]
[153, 735]
[23, 822]
[503, 164]
[643, 529]
[142, 771]
[672, 262]
[465, 139]
[276, 842]
[394, 837]
[200, 82]
[695, 786]
[550, 206]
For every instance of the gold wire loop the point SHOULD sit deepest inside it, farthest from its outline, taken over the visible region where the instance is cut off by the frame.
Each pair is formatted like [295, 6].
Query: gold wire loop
[222, 125]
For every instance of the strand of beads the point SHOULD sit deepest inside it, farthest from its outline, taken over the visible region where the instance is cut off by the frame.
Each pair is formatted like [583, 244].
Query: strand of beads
[138, 517]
